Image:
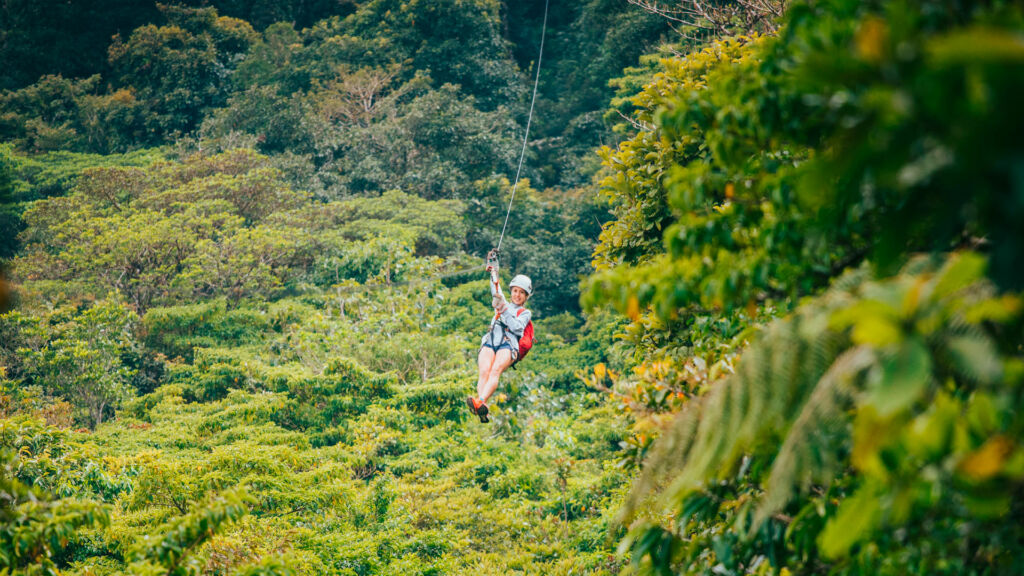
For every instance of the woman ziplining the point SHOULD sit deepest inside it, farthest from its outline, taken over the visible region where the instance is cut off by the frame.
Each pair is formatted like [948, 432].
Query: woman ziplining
[511, 332]
[508, 339]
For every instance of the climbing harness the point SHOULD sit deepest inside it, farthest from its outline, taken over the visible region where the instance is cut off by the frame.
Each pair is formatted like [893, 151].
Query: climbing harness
[526, 339]
[526, 136]
[497, 297]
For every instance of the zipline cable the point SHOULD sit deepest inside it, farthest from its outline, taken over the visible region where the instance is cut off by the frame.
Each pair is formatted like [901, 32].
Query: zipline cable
[529, 119]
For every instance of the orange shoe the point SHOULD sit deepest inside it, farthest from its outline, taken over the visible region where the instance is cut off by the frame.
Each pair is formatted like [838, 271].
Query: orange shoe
[479, 408]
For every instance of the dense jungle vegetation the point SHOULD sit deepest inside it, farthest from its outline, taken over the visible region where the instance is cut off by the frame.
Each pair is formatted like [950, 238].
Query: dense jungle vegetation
[778, 251]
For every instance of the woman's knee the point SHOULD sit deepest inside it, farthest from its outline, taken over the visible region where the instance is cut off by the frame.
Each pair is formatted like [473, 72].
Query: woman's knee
[495, 373]
[496, 369]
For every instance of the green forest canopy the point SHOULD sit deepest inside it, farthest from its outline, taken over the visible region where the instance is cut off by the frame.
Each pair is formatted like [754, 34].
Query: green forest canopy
[778, 258]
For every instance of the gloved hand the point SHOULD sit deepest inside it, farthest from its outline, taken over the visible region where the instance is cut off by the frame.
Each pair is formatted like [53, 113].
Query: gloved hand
[499, 304]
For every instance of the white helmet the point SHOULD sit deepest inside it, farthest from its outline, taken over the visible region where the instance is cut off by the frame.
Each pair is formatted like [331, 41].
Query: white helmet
[522, 281]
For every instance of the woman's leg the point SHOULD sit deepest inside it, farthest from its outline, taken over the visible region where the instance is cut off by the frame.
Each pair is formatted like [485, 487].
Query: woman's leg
[484, 361]
[502, 360]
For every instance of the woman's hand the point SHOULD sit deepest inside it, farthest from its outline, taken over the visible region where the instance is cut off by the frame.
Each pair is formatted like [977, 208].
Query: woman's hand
[499, 304]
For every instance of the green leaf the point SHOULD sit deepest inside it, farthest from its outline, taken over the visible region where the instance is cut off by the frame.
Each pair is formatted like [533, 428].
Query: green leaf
[988, 504]
[961, 271]
[975, 357]
[856, 518]
[999, 310]
[903, 378]
[876, 331]
[975, 45]
[860, 309]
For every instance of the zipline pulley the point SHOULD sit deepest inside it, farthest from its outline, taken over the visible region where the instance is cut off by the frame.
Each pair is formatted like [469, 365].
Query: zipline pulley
[492, 260]
[497, 297]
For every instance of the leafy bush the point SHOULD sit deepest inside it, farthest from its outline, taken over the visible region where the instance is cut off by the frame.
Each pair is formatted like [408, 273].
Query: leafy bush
[51, 492]
[215, 382]
[37, 528]
[352, 377]
[177, 330]
[172, 551]
[846, 437]
[442, 397]
[80, 356]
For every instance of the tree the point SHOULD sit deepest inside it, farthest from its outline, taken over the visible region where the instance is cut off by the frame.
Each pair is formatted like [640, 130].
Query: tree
[57, 113]
[434, 146]
[357, 97]
[587, 44]
[37, 525]
[81, 358]
[10, 217]
[265, 13]
[717, 17]
[140, 231]
[454, 42]
[44, 38]
[180, 70]
[257, 260]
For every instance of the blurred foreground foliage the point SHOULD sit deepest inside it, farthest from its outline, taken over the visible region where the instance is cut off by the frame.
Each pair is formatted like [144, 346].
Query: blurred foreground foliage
[855, 176]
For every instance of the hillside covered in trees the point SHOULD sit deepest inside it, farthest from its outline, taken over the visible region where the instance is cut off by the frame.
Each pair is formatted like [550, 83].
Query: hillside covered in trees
[778, 252]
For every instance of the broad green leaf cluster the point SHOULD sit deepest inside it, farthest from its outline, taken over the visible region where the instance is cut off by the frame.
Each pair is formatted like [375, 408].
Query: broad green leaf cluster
[874, 427]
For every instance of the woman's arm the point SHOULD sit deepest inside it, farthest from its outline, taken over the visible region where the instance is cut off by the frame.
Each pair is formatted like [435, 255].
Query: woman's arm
[513, 322]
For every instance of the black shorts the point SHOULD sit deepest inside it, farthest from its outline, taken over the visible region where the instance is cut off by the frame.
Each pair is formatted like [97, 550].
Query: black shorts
[502, 346]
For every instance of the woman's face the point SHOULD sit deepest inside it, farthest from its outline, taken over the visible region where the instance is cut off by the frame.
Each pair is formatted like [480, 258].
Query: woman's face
[518, 296]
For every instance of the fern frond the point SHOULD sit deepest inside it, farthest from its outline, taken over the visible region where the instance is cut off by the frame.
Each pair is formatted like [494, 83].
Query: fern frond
[753, 407]
[800, 462]
[795, 388]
